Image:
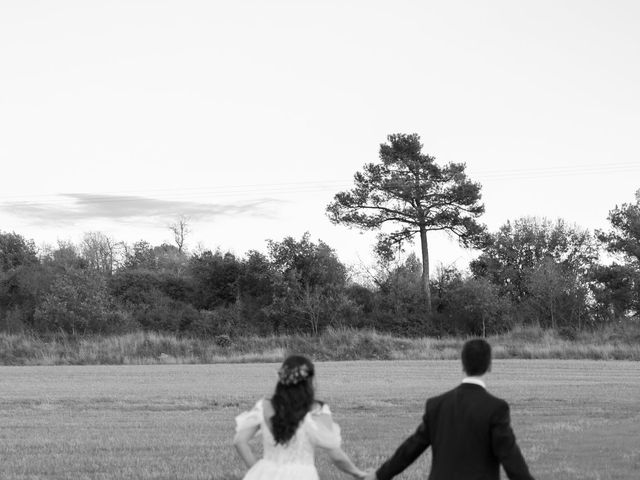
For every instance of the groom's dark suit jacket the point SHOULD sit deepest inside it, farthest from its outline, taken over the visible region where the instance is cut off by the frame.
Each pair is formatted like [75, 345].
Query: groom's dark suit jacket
[470, 435]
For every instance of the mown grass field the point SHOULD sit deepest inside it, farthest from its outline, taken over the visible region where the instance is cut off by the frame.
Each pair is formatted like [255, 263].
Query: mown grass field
[574, 419]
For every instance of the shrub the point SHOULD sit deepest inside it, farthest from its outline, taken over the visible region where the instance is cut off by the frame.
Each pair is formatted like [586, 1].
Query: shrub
[220, 321]
[568, 333]
[222, 340]
[166, 315]
[78, 303]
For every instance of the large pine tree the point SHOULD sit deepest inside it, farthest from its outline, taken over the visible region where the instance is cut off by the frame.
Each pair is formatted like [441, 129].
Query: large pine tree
[409, 190]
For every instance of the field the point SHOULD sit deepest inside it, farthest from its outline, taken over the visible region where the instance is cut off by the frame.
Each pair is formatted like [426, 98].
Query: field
[573, 419]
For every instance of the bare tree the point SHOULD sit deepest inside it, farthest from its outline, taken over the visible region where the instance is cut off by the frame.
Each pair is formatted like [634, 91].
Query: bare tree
[180, 231]
[101, 252]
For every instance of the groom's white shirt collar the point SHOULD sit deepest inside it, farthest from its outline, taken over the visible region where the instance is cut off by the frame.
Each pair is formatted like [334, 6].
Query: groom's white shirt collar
[475, 381]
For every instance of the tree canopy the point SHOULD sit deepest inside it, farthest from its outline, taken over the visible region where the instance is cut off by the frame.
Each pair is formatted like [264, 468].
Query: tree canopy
[15, 251]
[519, 247]
[619, 285]
[624, 237]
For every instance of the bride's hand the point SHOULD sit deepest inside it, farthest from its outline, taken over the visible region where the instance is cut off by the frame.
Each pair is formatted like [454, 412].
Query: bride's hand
[359, 474]
[368, 475]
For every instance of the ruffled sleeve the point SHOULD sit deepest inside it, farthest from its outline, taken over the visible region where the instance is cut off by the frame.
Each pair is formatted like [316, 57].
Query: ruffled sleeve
[321, 429]
[251, 418]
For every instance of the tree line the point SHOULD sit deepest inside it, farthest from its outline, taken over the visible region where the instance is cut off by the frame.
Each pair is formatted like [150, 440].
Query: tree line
[531, 271]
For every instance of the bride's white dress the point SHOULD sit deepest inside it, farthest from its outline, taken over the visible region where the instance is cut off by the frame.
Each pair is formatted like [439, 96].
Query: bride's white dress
[295, 460]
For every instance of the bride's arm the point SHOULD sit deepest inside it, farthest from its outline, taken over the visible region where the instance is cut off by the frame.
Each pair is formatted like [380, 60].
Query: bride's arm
[241, 442]
[336, 454]
[344, 463]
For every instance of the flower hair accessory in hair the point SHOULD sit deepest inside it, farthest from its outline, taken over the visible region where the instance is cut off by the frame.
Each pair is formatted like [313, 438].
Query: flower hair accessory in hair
[292, 375]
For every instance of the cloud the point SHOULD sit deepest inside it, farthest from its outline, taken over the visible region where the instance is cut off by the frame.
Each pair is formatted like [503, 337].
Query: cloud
[73, 207]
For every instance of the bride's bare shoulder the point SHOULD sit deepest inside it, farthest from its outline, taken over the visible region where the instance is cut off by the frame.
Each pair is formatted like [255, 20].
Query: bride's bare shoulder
[267, 407]
[320, 408]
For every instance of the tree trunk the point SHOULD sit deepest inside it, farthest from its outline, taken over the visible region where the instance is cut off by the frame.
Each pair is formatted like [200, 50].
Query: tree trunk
[425, 269]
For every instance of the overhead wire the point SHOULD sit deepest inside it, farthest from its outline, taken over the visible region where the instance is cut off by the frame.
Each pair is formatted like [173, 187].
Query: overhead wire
[203, 194]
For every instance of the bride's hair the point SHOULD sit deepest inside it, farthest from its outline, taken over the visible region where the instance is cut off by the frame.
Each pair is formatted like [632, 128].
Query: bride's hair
[293, 398]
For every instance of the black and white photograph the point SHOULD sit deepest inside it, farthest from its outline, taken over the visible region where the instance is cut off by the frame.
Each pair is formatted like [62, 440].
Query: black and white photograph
[319, 240]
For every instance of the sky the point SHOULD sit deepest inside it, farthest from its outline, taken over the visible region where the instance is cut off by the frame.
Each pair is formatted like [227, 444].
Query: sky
[247, 117]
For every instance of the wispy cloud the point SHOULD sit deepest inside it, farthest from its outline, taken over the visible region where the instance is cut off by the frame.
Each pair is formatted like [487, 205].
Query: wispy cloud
[74, 207]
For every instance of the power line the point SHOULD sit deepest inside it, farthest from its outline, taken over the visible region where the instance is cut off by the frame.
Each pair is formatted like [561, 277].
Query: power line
[559, 171]
[302, 187]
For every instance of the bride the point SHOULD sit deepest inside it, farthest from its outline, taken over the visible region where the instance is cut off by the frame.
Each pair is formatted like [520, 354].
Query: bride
[292, 425]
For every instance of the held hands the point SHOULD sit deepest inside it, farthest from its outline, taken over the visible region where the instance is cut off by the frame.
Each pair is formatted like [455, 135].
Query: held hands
[368, 475]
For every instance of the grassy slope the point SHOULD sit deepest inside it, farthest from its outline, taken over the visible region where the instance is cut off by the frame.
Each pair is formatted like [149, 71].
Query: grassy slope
[573, 419]
[614, 343]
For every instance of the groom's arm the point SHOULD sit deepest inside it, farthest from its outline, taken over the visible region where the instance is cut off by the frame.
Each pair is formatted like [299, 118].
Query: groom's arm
[406, 453]
[505, 448]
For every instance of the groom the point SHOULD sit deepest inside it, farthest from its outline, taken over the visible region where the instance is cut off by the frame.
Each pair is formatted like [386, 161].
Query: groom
[467, 428]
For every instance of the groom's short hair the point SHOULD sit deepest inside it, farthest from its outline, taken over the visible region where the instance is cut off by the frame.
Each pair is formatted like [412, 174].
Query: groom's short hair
[476, 357]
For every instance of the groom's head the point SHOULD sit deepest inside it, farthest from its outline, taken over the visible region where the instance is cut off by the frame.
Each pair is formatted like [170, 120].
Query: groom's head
[476, 357]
